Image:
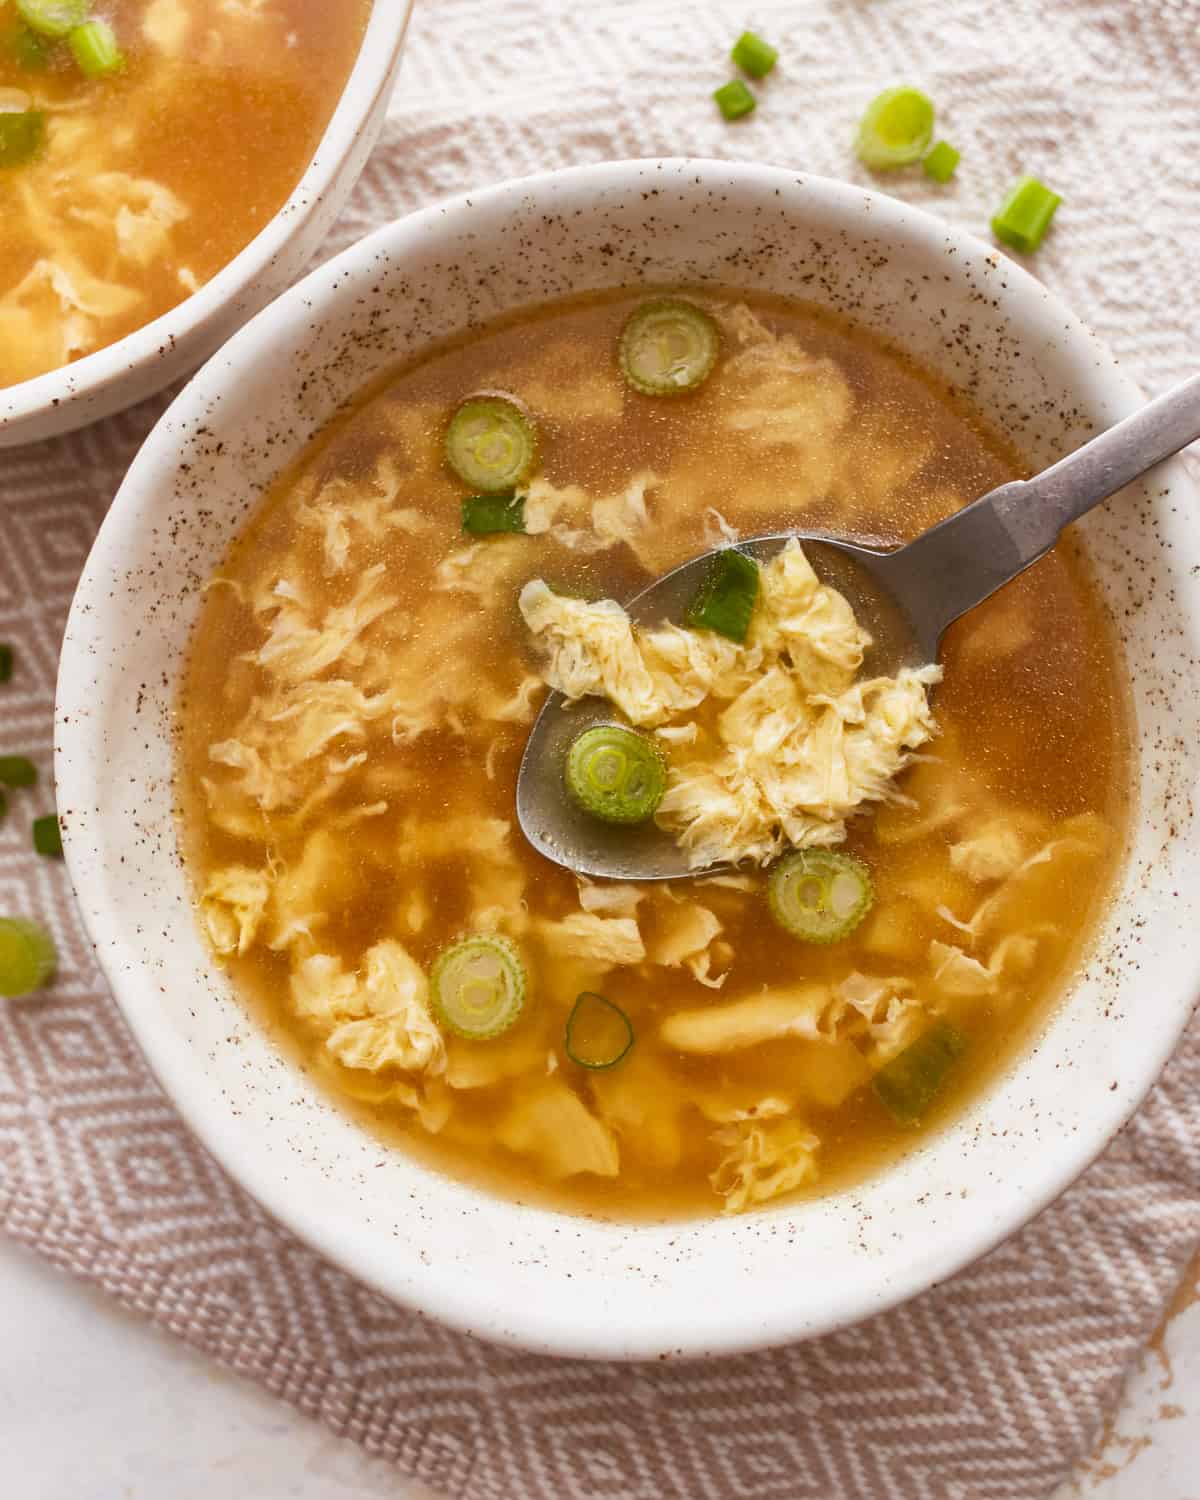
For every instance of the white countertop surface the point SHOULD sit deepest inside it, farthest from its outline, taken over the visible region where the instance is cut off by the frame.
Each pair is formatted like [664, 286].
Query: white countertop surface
[97, 1405]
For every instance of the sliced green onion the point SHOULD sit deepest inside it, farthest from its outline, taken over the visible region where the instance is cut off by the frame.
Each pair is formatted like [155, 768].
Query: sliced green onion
[21, 134]
[615, 774]
[27, 956]
[478, 987]
[734, 99]
[896, 129]
[599, 1033]
[819, 896]
[909, 1083]
[753, 55]
[28, 50]
[667, 347]
[725, 599]
[47, 836]
[491, 444]
[94, 47]
[1024, 217]
[6, 662]
[942, 162]
[484, 515]
[17, 770]
[53, 18]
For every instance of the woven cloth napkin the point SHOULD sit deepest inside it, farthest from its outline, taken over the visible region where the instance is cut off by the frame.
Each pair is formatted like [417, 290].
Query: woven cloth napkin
[992, 1385]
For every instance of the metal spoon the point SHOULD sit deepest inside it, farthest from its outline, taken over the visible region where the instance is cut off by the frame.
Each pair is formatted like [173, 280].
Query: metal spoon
[905, 598]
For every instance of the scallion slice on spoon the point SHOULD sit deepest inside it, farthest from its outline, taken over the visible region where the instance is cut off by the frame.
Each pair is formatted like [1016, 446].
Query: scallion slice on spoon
[725, 600]
[615, 774]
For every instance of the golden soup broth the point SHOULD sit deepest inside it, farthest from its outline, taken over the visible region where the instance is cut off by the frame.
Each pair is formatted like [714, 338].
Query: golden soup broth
[150, 180]
[402, 825]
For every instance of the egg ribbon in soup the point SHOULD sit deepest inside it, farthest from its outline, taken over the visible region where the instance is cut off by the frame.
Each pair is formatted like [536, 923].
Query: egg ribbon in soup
[913, 882]
[143, 143]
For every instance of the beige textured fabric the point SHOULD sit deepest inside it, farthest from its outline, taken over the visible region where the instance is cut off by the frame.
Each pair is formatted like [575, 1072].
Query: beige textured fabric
[991, 1386]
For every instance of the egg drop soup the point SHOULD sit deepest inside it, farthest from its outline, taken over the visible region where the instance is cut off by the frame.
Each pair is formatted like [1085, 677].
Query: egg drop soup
[135, 164]
[364, 675]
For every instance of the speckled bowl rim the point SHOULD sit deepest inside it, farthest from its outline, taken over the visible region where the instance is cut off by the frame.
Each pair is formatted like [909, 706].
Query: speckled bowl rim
[587, 1330]
[75, 382]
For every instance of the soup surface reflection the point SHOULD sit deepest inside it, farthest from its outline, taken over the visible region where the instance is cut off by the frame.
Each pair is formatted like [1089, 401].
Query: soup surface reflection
[360, 688]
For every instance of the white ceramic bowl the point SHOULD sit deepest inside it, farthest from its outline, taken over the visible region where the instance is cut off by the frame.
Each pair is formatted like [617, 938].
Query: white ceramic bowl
[515, 1273]
[183, 338]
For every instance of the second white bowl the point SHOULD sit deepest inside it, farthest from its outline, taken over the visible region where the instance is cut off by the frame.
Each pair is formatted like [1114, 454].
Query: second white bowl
[181, 339]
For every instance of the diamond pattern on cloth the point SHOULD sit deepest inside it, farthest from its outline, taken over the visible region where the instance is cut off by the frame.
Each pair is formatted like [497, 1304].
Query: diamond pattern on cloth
[990, 1387]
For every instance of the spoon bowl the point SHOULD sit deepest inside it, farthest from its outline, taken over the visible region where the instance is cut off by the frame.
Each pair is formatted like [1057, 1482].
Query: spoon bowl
[563, 832]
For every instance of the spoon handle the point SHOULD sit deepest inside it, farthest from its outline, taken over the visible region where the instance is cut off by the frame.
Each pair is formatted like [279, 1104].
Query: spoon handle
[1072, 486]
[958, 563]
